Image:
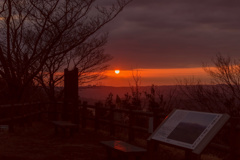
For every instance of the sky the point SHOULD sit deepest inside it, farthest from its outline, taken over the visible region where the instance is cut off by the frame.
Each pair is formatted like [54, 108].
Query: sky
[172, 34]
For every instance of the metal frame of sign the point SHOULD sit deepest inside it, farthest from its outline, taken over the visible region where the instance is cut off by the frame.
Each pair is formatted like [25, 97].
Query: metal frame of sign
[190, 130]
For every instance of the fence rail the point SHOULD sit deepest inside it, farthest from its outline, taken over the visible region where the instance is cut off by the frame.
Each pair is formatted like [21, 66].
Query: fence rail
[111, 119]
[228, 140]
[124, 118]
[20, 113]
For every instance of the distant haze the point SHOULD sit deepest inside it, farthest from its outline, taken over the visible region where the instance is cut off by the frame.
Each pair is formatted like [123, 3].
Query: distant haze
[100, 93]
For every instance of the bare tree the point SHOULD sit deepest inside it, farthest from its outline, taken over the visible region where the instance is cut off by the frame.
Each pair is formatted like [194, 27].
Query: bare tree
[136, 94]
[223, 94]
[162, 101]
[35, 32]
[89, 58]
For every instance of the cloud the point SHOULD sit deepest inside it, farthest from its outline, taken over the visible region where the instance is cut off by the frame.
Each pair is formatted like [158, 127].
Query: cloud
[169, 34]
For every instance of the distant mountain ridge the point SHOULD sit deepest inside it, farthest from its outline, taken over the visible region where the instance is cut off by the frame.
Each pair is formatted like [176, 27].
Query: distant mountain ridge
[96, 93]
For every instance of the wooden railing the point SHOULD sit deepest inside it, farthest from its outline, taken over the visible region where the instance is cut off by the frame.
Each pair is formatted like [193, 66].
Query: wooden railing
[20, 113]
[123, 118]
[111, 119]
[227, 140]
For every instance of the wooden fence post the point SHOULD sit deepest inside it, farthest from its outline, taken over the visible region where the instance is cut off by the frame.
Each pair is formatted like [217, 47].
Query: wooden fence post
[40, 110]
[97, 111]
[75, 114]
[26, 108]
[111, 121]
[130, 127]
[152, 148]
[234, 138]
[192, 156]
[150, 125]
[47, 110]
[83, 114]
[12, 115]
[155, 119]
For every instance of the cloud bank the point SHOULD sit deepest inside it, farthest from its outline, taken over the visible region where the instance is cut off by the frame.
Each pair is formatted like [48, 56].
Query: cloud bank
[174, 34]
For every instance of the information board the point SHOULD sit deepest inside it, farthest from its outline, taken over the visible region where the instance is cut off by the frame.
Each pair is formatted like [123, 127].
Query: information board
[189, 129]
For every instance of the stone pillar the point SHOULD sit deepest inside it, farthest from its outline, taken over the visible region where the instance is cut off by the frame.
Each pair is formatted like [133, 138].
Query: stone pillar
[70, 108]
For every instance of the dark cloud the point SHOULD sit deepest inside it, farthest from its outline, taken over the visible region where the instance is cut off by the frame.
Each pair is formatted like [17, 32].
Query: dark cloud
[168, 34]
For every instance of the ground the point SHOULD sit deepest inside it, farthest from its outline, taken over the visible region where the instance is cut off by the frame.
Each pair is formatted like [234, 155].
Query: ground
[38, 142]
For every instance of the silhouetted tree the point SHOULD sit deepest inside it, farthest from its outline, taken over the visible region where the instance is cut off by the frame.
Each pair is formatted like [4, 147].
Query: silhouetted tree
[151, 99]
[126, 101]
[164, 102]
[89, 58]
[136, 94]
[34, 33]
[223, 95]
[118, 100]
[109, 100]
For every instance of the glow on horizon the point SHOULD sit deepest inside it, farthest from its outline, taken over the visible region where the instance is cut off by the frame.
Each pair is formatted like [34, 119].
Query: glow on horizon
[152, 76]
[157, 72]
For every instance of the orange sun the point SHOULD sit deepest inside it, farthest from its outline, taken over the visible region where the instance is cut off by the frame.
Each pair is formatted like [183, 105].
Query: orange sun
[117, 71]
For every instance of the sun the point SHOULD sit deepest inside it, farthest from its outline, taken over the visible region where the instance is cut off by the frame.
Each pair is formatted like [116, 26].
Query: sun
[117, 71]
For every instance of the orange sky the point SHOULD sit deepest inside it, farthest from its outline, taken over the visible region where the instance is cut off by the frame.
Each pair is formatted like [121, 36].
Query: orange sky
[152, 76]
